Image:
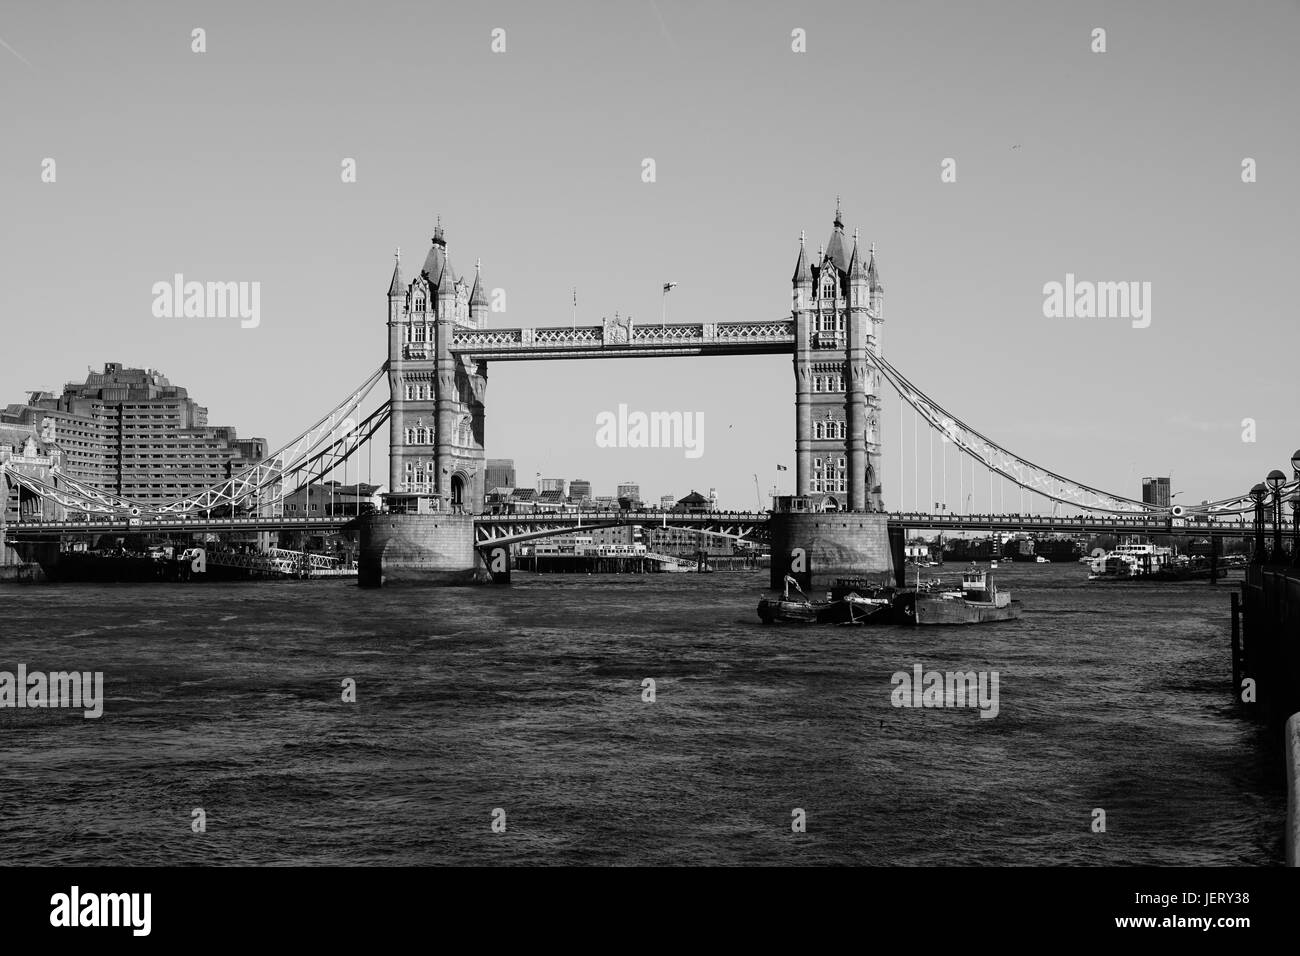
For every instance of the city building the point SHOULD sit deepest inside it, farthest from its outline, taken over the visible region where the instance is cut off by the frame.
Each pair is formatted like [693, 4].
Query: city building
[25, 451]
[1155, 492]
[576, 542]
[130, 432]
[579, 491]
[694, 502]
[553, 484]
[499, 473]
[666, 502]
[629, 489]
[689, 542]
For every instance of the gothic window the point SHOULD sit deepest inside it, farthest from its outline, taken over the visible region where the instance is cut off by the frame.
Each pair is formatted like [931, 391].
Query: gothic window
[839, 383]
[419, 303]
[409, 392]
[844, 430]
[419, 333]
[817, 464]
[839, 322]
[410, 437]
[817, 429]
[840, 463]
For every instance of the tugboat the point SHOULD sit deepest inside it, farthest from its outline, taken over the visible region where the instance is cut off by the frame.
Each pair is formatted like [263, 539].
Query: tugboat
[847, 607]
[977, 602]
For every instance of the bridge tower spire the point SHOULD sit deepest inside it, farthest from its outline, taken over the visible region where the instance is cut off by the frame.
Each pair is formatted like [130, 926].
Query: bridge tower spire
[436, 457]
[837, 440]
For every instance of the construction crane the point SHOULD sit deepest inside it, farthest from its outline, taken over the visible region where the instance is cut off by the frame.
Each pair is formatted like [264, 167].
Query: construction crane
[758, 492]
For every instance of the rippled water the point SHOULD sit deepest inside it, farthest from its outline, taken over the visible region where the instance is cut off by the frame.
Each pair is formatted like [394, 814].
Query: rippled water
[528, 698]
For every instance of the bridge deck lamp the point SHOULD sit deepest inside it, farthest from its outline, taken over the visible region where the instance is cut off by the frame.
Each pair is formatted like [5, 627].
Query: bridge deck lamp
[1295, 511]
[1275, 480]
[1258, 493]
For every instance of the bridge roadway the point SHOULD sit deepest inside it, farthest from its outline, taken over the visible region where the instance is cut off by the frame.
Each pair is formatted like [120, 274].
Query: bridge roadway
[737, 524]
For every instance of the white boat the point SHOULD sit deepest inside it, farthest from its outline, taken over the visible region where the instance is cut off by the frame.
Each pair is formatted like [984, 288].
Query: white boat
[1042, 560]
[1131, 561]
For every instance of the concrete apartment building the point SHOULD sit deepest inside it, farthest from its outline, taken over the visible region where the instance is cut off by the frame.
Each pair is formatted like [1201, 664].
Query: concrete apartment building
[132, 433]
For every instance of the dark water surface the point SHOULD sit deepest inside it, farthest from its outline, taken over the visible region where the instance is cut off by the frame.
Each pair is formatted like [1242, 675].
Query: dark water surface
[528, 698]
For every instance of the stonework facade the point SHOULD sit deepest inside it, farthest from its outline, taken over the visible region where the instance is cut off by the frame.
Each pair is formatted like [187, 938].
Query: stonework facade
[838, 306]
[436, 458]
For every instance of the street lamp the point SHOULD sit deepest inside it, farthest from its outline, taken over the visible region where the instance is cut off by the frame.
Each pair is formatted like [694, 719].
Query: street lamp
[1295, 511]
[1276, 479]
[1258, 493]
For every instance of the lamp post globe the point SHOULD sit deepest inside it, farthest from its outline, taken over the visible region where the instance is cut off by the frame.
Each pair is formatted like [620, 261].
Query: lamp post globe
[1295, 511]
[1275, 480]
[1258, 493]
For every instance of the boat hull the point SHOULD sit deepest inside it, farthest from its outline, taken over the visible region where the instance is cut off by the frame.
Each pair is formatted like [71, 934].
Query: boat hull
[824, 612]
[925, 611]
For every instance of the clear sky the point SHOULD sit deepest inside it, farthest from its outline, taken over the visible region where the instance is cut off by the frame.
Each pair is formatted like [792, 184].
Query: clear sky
[1115, 166]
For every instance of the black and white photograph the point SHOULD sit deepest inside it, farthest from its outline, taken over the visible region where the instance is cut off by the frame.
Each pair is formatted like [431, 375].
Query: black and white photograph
[440, 439]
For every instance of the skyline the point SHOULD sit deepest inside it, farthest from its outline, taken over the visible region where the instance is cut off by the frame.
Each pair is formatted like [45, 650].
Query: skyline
[229, 171]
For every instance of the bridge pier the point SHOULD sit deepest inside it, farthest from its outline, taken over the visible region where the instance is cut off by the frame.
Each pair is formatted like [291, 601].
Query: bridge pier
[428, 549]
[817, 548]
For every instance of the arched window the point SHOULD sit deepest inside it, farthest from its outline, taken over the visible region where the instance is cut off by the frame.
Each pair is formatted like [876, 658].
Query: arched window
[817, 429]
[410, 437]
[844, 430]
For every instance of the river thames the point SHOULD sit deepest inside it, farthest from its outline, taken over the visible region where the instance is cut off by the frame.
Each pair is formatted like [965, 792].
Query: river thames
[528, 699]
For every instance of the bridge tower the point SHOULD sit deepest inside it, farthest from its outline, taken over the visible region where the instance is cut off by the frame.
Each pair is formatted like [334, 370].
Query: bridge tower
[837, 306]
[436, 457]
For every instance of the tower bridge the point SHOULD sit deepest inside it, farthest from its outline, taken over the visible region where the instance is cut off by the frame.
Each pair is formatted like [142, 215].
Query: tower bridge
[439, 348]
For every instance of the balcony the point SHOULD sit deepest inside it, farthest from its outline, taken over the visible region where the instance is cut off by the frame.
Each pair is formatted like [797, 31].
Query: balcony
[828, 340]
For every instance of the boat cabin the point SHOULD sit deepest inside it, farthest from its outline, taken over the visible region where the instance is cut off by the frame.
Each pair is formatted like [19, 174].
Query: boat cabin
[977, 586]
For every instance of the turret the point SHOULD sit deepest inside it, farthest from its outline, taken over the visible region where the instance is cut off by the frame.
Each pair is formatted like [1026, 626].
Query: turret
[859, 281]
[396, 291]
[478, 298]
[802, 281]
[877, 290]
